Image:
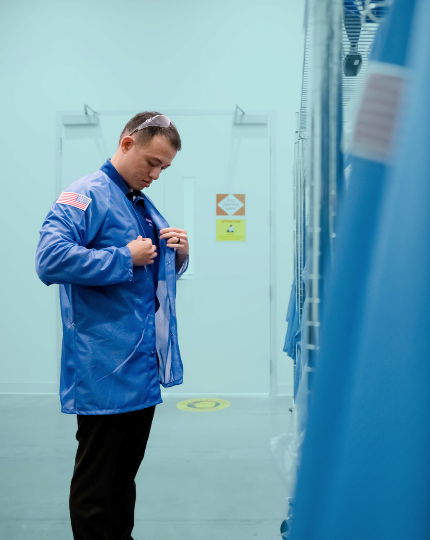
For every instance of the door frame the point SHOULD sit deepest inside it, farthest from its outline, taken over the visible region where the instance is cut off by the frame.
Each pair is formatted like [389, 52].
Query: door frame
[273, 353]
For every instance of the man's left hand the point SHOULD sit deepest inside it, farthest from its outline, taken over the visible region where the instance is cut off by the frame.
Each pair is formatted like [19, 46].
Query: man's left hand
[177, 239]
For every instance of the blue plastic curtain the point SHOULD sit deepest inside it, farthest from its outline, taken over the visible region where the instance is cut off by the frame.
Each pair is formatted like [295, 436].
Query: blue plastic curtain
[365, 470]
[293, 330]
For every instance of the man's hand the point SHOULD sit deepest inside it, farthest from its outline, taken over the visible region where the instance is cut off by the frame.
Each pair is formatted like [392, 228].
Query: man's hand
[177, 239]
[142, 251]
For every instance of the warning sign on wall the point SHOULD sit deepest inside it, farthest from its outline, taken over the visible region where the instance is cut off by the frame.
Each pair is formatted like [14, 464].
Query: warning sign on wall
[230, 205]
[230, 230]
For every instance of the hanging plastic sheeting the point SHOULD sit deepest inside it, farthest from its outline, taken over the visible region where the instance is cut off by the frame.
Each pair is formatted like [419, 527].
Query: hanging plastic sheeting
[286, 451]
[365, 467]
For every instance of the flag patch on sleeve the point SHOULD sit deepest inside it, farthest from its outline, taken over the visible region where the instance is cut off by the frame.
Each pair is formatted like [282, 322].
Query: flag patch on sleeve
[74, 199]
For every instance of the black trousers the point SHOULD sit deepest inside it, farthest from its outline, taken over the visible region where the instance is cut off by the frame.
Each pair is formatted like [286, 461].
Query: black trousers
[103, 492]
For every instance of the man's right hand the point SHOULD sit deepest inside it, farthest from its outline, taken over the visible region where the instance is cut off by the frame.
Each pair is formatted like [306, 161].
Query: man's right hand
[142, 251]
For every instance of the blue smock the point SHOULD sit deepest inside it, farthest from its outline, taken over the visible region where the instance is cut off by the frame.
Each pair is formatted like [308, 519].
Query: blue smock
[138, 201]
[112, 332]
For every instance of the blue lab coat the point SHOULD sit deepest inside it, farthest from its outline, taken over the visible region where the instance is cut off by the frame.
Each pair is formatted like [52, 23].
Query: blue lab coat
[111, 330]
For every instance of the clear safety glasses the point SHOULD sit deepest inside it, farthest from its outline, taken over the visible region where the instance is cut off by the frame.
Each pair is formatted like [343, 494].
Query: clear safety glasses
[159, 121]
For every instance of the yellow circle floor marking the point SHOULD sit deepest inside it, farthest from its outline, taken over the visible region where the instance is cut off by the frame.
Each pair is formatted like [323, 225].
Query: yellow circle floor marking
[203, 404]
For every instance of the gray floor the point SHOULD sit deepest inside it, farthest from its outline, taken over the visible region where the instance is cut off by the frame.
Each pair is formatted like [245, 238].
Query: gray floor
[205, 476]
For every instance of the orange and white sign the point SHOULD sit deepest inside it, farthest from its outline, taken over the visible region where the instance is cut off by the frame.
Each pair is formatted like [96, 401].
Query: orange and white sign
[230, 205]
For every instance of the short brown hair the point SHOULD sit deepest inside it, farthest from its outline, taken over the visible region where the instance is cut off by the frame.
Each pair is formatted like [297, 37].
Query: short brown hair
[147, 134]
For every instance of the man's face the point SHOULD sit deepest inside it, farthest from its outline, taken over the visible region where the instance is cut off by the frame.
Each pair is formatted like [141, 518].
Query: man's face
[143, 163]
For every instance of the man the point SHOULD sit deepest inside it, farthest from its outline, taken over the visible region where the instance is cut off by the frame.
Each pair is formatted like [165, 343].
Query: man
[116, 260]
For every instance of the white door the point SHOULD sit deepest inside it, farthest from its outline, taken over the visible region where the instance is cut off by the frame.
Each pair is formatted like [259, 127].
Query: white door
[223, 302]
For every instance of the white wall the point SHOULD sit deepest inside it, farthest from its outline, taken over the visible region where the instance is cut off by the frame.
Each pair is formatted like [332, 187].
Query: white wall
[135, 54]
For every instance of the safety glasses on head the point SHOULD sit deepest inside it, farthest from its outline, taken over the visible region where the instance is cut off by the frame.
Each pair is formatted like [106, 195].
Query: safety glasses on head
[160, 120]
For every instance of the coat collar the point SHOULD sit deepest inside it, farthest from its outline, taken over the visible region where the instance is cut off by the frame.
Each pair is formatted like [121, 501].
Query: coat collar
[114, 175]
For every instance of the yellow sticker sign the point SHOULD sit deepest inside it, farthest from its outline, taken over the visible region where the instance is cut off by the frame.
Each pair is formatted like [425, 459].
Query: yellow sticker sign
[230, 230]
[203, 404]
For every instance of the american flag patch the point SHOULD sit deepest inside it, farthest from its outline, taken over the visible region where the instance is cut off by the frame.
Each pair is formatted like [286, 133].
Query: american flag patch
[74, 199]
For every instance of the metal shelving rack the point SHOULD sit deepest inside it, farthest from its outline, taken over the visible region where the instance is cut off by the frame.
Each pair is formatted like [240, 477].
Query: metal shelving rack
[323, 129]
[299, 186]
[324, 124]
[320, 123]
